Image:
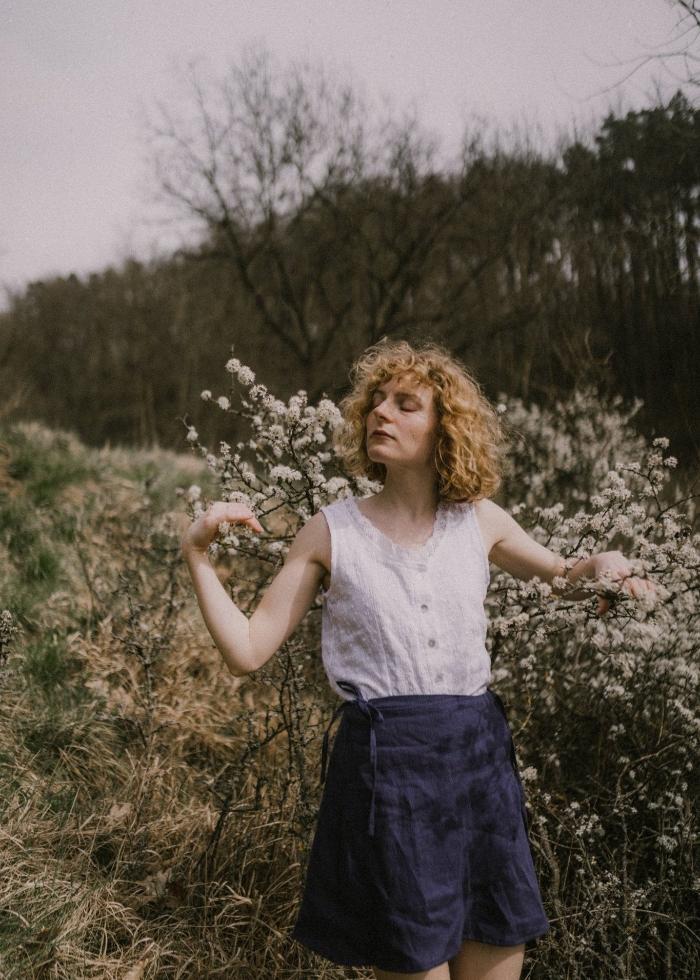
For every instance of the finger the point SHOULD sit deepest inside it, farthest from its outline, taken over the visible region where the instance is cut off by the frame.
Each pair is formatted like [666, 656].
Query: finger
[641, 588]
[251, 519]
[243, 518]
[238, 512]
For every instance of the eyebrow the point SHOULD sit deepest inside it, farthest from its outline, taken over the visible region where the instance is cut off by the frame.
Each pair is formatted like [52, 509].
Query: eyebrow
[398, 391]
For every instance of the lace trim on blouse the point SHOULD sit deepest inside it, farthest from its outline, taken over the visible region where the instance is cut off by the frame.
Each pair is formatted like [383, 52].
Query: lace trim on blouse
[390, 547]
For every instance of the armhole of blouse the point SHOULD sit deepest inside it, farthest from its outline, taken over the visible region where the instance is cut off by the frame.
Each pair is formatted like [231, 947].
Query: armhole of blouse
[329, 522]
[482, 544]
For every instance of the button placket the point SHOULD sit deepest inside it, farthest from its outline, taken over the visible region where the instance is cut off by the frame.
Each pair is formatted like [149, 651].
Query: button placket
[428, 610]
[427, 606]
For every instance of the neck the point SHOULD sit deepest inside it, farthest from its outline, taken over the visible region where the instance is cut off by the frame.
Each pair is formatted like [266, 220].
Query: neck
[415, 495]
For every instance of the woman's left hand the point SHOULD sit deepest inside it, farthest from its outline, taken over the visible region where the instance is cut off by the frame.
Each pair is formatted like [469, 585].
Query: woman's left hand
[614, 565]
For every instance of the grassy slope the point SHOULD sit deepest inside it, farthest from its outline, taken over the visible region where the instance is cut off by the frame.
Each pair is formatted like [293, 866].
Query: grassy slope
[118, 738]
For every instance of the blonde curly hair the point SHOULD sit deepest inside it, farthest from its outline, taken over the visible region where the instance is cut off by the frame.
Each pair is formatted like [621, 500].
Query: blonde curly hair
[471, 441]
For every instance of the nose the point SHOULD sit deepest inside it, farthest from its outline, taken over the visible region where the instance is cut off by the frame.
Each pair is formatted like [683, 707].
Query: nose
[379, 412]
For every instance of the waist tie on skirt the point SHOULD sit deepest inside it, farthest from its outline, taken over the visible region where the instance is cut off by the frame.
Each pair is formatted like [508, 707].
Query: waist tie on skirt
[373, 713]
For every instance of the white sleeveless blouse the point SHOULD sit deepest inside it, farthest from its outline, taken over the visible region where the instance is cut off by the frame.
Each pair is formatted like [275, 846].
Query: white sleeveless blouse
[399, 620]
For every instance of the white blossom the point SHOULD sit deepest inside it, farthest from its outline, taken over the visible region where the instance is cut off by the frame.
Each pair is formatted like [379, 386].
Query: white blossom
[244, 374]
[281, 473]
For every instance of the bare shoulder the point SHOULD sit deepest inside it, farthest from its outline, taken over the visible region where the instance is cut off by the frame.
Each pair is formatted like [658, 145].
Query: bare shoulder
[313, 540]
[492, 520]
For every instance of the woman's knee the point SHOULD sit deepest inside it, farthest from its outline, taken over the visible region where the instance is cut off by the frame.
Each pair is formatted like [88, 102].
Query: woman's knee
[441, 972]
[476, 960]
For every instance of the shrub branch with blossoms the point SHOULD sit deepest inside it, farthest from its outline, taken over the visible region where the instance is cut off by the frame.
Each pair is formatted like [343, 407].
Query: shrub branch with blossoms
[604, 709]
[285, 464]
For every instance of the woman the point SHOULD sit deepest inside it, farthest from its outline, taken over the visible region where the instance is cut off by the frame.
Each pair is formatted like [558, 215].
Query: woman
[420, 864]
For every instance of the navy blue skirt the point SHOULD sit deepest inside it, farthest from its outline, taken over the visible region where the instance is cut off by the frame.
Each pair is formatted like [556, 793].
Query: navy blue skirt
[421, 839]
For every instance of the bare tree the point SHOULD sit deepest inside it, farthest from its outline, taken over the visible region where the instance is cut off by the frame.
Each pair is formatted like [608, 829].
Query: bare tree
[333, 225]
[684, 47]
[679, 55]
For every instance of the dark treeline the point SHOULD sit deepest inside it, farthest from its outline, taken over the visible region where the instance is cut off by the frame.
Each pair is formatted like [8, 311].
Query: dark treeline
[542, 270]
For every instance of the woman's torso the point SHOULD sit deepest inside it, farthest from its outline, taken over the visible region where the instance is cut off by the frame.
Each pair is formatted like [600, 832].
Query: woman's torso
[406, 617]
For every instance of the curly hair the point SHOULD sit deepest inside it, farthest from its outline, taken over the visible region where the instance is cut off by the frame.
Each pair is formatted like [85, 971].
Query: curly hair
[471, 441]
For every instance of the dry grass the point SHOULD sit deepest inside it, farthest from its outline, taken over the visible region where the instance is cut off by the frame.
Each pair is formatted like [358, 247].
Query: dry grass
[151, 823]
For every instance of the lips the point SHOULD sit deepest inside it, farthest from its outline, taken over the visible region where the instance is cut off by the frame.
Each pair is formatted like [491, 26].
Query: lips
[384, 434]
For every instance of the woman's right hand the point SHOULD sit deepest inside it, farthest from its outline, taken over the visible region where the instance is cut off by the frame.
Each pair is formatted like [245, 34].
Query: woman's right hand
[204, 529]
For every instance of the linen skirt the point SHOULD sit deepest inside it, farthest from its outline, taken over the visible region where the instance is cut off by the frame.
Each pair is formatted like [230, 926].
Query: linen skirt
[422, 836]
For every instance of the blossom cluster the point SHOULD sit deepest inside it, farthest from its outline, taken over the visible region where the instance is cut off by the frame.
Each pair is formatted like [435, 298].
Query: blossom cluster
[288, 457]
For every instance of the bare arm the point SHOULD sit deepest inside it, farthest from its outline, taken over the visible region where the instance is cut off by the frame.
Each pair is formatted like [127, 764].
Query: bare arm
[247, 643]
[516, 552]
[513, 550]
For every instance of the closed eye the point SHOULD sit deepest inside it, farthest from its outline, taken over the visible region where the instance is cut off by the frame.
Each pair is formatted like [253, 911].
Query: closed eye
[411, 408]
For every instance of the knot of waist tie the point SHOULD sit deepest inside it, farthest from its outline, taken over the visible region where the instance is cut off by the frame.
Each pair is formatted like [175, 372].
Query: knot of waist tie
[373, 713]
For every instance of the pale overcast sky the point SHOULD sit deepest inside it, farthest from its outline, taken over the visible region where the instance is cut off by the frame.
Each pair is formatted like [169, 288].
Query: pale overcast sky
[74, 72]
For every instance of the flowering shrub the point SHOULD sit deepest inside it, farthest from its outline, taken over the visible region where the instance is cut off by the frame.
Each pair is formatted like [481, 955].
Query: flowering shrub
[289, 460]
[604, 709]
